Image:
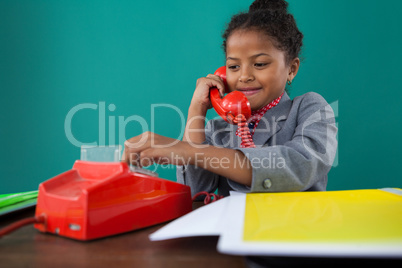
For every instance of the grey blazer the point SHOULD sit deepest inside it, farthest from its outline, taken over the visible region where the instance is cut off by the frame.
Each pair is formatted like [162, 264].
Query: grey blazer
[296, 146]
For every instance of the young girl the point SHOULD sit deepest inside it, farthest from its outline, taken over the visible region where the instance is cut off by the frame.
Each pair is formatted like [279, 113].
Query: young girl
[295, 139]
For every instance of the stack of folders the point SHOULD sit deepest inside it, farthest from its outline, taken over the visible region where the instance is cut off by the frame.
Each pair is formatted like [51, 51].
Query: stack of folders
[355, 223]
[14, 202]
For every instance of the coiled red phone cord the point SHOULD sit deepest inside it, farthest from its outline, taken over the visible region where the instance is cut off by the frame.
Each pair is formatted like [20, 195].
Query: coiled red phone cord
[244, 132]
[209, 197]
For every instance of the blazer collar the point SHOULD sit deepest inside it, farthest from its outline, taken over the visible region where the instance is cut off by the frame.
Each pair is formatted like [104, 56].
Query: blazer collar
[270, 123]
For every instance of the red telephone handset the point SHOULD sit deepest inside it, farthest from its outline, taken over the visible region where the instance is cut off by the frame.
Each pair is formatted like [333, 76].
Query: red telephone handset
[234, 108]
[232, 105]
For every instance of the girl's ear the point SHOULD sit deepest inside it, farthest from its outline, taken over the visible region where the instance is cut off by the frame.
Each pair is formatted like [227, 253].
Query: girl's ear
[293, 69]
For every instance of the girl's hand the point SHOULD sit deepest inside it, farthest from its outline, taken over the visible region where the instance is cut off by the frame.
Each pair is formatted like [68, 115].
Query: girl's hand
[149, 148]
[201, 92]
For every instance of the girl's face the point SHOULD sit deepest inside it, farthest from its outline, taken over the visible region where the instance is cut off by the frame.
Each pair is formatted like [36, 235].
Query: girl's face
[256, 67]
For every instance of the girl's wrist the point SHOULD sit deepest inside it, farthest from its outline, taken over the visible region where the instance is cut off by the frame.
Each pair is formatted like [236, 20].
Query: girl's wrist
[188, 153]
[197, 109]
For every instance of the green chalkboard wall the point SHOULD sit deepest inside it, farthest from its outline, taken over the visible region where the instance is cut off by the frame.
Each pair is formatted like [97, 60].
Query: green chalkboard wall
[98, 72]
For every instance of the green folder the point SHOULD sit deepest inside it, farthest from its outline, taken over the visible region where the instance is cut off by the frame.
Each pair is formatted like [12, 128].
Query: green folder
[17, 201]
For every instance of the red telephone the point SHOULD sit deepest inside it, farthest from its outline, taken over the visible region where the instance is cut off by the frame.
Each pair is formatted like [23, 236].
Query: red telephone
[95, 199]
[234, 108]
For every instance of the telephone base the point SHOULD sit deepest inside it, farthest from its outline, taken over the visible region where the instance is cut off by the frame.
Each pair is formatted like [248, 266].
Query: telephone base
[95, 200]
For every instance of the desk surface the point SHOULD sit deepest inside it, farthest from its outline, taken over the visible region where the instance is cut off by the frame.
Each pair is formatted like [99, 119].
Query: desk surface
[27, 247]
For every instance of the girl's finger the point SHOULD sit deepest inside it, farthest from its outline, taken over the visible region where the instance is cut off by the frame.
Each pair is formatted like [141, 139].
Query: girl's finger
[216, 77]
[212, 82]
[145, 161]
[222, 90]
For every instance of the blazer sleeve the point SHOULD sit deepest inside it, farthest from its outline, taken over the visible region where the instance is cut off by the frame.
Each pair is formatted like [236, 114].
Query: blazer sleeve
[301, 162]
[199, 179]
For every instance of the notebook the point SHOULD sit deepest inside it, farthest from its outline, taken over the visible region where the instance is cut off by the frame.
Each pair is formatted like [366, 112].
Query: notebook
[358, 223]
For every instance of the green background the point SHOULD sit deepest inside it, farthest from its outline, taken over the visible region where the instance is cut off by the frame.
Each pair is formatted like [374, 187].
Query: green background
[121, 57]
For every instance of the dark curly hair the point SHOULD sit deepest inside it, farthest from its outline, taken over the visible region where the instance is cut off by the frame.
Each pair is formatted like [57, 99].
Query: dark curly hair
[272, 18]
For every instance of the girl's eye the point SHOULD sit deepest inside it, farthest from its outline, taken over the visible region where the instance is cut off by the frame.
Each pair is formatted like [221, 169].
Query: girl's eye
[233, 67]
[260, 64]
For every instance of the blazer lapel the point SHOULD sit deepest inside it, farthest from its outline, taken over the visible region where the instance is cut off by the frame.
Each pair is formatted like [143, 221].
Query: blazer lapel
[230, 140]
[272, 121]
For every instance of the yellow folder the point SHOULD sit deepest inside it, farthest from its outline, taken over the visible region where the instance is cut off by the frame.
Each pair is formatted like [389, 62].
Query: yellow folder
[333, 216]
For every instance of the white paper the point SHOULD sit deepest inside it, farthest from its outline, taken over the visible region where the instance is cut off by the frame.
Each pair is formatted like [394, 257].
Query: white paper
[204, 221]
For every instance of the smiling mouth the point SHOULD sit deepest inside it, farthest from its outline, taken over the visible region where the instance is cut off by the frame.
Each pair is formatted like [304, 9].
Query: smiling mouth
[249, 91]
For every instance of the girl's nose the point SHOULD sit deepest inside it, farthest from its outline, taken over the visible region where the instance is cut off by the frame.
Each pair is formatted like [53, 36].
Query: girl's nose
[246, 76]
